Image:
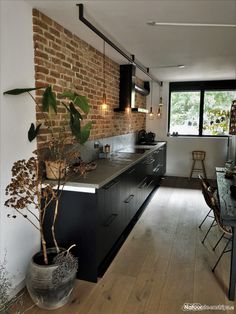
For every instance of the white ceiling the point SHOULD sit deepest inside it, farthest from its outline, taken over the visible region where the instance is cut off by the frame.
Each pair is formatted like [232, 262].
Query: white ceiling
[208, 52]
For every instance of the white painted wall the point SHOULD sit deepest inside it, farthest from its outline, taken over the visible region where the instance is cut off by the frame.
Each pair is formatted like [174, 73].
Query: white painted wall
[179, 149]
[17, 237]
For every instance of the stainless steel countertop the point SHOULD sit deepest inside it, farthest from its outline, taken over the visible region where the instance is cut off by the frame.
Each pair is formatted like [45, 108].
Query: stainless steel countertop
[109, 168]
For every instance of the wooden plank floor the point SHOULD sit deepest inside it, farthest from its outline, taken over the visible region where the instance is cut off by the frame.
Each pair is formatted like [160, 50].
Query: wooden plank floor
[162, 264]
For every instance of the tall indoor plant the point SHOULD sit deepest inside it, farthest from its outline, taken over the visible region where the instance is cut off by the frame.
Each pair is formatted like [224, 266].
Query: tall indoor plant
[56, 146]
[31, 196]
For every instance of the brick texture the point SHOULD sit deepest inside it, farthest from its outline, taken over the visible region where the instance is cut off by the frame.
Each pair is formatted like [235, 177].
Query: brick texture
[68, 63]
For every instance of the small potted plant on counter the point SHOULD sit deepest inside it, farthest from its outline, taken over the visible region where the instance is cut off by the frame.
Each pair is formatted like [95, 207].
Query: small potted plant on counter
[52, 271]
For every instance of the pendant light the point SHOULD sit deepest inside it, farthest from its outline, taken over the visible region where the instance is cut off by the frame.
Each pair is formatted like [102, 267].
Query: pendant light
[104, 106]
[151, 114]
[159, 109]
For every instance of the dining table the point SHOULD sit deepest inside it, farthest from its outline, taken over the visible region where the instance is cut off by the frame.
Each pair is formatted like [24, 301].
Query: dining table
[228, 217]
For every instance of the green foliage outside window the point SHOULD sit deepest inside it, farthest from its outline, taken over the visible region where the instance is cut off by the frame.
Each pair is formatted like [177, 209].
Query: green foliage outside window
[216, 112]
[185, 112]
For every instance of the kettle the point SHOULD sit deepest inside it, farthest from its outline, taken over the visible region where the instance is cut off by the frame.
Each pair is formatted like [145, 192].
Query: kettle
[150, 137]
[142, 136]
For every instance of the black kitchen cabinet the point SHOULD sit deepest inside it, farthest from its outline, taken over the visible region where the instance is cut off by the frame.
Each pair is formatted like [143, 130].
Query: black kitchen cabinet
[95, 222]
[159, 165]
[163, 159]
[132, 200]
[111, 216]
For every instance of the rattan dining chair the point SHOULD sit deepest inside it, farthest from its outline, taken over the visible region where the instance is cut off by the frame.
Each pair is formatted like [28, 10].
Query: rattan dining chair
[208, 192]
[211, 198]
[227, 231]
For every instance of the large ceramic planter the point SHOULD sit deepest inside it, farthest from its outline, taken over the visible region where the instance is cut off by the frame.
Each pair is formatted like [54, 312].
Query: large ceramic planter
[49, 286]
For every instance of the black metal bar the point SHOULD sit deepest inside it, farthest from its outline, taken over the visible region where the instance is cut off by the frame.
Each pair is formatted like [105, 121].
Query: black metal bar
[201, 112]
[212, 225]
[130, 58]
[232, 280]
[217, 243]
[207, 215]
[217, 262]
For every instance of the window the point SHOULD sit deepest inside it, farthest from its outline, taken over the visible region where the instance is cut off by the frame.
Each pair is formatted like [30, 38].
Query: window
[201, 108]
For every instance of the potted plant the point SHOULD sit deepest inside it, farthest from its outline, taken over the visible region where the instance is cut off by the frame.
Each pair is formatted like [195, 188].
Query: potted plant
[55, 159]
[52, 271]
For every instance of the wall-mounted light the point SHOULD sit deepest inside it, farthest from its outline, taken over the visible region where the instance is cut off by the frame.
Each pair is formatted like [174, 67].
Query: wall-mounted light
[104, 106]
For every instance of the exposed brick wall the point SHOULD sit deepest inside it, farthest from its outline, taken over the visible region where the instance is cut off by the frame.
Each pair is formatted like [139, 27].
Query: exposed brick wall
[68, 63]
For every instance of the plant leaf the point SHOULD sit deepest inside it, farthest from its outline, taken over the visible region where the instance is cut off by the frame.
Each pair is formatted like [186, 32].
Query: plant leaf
[82, 102]
[75, 112]
[85, 132]
[78, 100]
[18, 91]
[33, 132]
[66, 106]
[75, 126]
[69, 95]
[49, 100]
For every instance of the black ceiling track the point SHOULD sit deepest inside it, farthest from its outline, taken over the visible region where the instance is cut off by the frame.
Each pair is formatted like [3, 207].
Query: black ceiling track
[130, 58]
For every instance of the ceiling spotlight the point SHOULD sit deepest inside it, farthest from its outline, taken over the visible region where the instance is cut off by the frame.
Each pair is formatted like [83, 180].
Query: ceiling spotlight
[153, 23]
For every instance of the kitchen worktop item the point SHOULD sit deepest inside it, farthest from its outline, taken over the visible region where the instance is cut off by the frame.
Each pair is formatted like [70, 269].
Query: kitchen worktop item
[144, 137]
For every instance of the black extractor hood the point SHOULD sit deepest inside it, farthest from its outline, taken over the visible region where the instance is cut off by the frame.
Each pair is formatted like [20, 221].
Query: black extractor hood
[128, 88]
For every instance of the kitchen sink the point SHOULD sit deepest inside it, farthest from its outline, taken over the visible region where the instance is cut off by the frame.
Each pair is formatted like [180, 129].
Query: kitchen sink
[120, 160]
[117, 160]
[147, 143]
[134, 150]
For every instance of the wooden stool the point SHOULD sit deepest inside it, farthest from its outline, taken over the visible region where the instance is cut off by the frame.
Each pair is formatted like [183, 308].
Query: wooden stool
[198, 155]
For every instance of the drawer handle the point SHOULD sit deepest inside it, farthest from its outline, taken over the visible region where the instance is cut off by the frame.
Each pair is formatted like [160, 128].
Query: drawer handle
[150, 183]
[149, 162]
[157, 168]
[131, 171]
[110, 220]
[129, 199]
[142, 183]
[109, 185]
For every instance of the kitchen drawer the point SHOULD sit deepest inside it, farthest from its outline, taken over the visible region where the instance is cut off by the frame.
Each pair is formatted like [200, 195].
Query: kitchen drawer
[111, 216]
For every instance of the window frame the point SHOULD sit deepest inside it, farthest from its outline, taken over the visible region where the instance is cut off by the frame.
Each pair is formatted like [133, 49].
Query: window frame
[202, 87]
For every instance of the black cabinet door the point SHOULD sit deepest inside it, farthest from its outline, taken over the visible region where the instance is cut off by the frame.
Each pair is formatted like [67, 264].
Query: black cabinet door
[163, 159]
[76, 224]
[129, 195]
[148, 164]
[110, 216]
[142, 190]
[159, 166]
